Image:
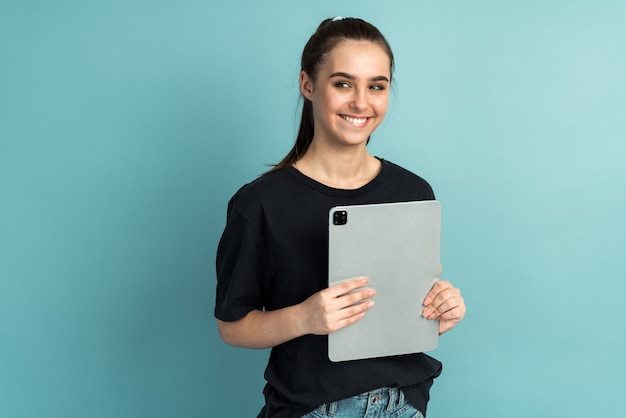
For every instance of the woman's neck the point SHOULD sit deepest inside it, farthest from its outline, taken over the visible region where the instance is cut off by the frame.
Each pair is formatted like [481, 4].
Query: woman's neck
[348, 168]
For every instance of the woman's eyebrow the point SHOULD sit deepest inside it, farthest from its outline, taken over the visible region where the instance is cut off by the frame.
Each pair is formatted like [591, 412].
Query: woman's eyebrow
[351, 77]
[380, 78]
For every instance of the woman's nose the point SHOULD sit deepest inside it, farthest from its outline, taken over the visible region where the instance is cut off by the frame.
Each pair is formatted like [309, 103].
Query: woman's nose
[359, 101]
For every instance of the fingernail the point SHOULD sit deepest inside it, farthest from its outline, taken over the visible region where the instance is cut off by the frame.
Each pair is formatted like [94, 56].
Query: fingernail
[426, 312]
[370, 304]
[427, 301]
[371, 292]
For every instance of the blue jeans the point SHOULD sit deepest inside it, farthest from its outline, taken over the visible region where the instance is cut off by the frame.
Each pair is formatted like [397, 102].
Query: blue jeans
[379, 403]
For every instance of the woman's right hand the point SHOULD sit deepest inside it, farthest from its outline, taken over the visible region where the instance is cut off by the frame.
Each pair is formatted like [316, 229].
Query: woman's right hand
[326, 311]
[336, 307]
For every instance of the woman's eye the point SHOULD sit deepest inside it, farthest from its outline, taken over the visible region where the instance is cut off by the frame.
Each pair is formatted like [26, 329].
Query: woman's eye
[377, 87]
[342, 85]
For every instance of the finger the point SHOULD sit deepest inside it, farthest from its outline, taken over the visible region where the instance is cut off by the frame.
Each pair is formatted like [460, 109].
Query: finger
[348, 321]
[352, 314]
[355, 309]
[454, 314]
[355, 297]
[444, 310]
[347, 286]
[437, 288]
[443, 302]
[343, 317]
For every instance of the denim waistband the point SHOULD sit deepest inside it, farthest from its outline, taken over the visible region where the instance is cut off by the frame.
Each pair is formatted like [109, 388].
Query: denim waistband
[381, 402]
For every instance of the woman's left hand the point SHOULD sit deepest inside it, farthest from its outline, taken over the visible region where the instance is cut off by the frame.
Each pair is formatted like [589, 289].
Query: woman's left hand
[444, 302]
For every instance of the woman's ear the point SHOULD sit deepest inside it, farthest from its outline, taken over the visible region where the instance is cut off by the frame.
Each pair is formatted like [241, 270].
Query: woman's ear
[306, 85]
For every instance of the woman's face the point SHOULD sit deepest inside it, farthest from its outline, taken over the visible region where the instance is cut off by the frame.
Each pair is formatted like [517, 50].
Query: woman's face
[351, 92]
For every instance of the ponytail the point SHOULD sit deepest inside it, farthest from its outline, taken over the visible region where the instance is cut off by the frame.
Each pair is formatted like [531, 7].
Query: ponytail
[303, 140]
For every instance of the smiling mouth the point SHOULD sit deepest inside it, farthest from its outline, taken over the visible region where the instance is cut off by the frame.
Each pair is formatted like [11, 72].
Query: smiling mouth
[359, 122]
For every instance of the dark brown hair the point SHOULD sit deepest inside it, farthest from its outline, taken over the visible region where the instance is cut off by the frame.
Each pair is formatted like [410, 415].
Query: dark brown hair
[328, 34]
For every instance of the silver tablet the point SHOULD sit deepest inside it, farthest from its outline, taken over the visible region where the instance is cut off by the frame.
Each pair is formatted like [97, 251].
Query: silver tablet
[395, 245]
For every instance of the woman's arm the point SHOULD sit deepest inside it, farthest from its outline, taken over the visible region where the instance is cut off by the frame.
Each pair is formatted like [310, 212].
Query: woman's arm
[261, 329]
[324, 312]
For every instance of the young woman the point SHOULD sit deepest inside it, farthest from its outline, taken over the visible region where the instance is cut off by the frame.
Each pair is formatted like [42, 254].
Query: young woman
[272, 258]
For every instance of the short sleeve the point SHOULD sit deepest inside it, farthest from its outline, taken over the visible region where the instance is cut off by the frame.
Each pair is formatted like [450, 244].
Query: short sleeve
[242, 268]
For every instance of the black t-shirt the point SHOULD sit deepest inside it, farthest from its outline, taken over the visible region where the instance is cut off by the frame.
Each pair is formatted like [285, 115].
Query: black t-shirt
[274, 253]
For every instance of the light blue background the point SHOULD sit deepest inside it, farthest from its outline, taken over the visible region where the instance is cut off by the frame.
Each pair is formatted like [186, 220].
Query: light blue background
[125, 126]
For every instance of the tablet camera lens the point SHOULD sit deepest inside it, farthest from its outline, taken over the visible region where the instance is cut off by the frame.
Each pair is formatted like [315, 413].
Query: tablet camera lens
[340, 217]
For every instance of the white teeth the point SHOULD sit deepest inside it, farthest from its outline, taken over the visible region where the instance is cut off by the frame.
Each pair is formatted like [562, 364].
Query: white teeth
[355, 121]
